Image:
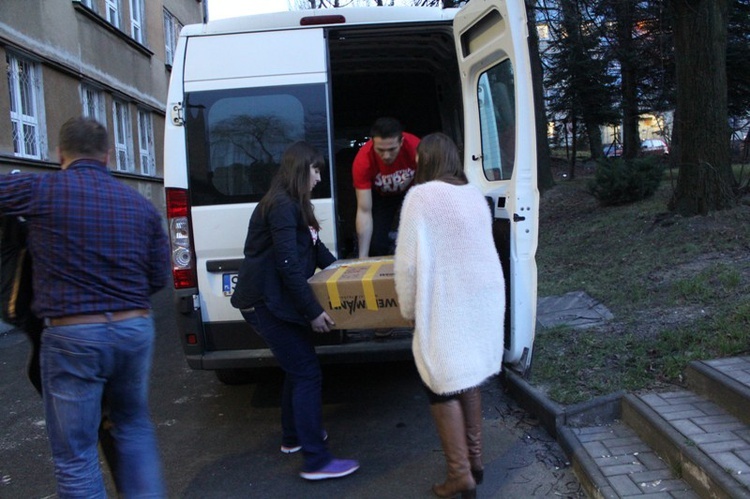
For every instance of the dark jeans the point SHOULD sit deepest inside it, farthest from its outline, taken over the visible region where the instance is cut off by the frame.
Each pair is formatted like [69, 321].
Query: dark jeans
[385, 211]
[301, 398]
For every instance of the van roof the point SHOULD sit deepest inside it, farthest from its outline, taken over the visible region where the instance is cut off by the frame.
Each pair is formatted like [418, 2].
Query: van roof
[292, 19]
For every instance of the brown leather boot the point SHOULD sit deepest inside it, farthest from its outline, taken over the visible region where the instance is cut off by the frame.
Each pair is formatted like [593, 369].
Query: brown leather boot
[471, 404]
[449, 420]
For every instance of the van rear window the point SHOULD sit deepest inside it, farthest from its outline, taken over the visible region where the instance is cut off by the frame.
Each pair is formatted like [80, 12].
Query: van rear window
[497, 118]
[235, 139]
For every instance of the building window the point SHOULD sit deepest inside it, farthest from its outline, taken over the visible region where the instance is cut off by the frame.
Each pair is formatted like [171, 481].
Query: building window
[172, 29]
[89, 3]
[113, 12]
[26, 107]
[123, 137]
[146, 143]
[93, 103]
[136, 20]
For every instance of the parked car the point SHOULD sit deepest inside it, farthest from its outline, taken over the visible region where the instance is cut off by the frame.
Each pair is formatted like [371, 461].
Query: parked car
[654, 147]
[613, 150]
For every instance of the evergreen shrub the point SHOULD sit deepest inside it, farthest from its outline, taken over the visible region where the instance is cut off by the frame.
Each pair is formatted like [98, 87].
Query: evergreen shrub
[618, 182]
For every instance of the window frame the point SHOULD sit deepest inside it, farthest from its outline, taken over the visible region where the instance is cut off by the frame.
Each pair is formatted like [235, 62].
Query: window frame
[123, 136]
[146, 143]
[92, 99]
[113, 12]
[137, 22]
[172, 28]
[26, 106]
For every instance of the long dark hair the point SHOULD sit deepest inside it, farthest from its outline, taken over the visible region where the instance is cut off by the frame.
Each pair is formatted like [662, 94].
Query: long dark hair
[438, 159]
[293, 178]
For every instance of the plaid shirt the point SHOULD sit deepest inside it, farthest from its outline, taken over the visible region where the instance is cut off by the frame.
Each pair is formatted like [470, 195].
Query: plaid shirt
[96, 244]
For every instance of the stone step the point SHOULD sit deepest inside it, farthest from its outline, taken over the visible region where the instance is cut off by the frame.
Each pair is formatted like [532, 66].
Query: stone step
[611, 461]
[725, 382]
[701, 442]
[685, 443]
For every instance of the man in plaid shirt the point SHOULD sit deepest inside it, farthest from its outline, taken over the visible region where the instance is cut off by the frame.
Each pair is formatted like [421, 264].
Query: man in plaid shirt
[99, 251]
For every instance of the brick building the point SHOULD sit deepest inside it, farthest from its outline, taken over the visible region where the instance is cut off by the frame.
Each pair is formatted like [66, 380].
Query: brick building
[108, 59]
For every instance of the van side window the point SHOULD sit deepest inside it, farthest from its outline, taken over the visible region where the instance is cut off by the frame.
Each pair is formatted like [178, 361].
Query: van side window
[497, 118]
[236, 138]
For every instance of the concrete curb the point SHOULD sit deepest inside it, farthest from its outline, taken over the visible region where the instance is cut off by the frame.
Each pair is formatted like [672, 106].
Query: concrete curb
[534, 401]
[599, 410]
[556, 419]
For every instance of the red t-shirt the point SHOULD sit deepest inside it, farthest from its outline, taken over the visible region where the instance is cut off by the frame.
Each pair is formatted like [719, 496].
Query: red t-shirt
[370, 172]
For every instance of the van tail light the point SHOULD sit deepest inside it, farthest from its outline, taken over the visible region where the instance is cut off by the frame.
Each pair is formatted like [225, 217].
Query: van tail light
[178, 219]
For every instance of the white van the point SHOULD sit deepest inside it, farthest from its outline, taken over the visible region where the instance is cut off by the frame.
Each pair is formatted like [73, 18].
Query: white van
[243, 89]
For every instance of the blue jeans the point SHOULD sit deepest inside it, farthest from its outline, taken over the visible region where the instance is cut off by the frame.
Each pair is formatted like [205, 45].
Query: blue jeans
[301, 398]
[79, 364]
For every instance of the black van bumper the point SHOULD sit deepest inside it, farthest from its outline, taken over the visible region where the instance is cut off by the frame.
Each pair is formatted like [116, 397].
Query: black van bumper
[235, 345]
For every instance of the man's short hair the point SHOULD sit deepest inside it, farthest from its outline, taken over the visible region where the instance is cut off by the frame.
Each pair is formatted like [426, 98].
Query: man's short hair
[84, 137]
[386, 128]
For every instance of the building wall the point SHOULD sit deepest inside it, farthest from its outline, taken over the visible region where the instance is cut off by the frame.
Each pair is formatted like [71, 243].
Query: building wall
[72, 43]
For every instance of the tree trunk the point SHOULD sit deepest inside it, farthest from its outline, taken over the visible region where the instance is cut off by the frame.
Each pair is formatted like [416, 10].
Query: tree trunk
[582, 90]
[544, 177]
[705, 181]
[595, 138]
[574, 152]
[631, 142]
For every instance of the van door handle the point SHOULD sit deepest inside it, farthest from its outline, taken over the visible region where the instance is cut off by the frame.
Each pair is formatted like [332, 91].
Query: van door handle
[518, 218]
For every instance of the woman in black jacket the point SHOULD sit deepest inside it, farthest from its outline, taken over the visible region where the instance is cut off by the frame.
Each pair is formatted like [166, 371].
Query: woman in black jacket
[282, 251]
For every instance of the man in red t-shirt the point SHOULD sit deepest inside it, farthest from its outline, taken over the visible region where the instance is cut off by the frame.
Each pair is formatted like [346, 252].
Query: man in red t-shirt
[383, 171]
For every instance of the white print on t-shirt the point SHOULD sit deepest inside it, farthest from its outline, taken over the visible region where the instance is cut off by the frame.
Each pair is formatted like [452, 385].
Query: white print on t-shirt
[314, 234]
[397, 181]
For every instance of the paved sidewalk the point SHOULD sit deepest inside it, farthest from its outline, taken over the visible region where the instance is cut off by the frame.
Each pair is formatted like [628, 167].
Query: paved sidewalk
[707, 444]
[628, 465]
[716, 443]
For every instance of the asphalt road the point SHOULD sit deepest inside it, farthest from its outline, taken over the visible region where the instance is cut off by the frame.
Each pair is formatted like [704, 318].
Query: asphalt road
[222, 441]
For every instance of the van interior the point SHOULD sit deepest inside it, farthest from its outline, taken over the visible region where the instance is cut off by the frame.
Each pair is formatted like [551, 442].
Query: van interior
[407, 72]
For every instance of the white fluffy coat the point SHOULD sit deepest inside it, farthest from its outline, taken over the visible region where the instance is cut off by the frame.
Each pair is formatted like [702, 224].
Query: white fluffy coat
[450, 282]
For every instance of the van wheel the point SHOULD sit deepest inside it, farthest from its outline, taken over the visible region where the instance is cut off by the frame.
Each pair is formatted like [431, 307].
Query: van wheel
[236, 376]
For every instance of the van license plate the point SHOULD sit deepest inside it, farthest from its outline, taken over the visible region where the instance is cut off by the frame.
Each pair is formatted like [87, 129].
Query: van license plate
[229, 281]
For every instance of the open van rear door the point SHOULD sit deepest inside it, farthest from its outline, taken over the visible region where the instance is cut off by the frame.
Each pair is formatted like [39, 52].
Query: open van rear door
[500, 150]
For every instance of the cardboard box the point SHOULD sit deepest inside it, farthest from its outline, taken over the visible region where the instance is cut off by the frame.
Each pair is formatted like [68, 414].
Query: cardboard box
[359, 294]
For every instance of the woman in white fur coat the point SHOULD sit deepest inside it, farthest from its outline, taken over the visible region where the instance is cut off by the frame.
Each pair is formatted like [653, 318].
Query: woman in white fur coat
[450, 282]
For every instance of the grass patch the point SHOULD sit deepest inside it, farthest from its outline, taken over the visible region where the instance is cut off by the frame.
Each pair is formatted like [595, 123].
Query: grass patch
[678, 288]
